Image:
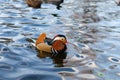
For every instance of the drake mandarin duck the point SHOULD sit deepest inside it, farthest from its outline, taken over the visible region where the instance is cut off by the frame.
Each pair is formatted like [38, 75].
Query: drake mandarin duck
[55, 46]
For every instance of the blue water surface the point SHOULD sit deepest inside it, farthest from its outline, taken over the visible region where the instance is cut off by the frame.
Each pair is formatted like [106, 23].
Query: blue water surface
[92, 28]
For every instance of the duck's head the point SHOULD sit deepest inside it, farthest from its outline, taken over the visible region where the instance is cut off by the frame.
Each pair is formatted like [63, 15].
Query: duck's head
[60, 37]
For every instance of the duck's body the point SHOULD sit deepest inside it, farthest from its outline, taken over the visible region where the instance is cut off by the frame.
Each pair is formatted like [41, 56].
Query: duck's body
[55, 46]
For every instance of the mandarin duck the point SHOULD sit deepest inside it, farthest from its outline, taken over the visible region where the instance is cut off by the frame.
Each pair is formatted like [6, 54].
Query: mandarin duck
[54, 47]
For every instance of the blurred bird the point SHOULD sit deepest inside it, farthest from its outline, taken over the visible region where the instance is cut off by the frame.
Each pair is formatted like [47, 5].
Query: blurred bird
[117, 2]
[54, 2]
[34, 3]
[37, 3]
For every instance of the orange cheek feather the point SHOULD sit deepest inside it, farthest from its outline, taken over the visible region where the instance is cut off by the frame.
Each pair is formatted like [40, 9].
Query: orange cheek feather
[58, 45]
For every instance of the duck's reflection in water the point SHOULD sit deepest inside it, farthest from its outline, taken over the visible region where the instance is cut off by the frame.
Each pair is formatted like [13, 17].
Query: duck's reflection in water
[37, 3]
[58, 59]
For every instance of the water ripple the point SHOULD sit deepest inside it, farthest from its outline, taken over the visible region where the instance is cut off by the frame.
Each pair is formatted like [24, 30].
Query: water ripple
[113, 59]
[4, 66]
[40, 77]
[95, 28]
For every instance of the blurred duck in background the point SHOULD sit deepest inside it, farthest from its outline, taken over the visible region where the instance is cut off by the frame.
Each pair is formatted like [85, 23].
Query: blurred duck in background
[117, 2]
[37, 3]
[54, 2]
[34, 3]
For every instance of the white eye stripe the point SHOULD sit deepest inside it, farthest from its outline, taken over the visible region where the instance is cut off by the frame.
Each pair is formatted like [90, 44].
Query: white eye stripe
[59, 38]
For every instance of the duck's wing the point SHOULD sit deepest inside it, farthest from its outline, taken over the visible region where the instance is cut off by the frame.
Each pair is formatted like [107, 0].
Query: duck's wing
[41, 38]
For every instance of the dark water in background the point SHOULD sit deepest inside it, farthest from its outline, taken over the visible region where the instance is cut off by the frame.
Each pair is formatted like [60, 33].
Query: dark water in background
[92, 22]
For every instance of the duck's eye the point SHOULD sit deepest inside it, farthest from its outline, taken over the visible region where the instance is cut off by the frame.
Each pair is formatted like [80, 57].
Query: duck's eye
[62, 39]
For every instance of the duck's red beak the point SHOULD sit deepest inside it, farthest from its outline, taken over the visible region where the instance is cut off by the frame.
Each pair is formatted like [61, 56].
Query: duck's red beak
[67, 42]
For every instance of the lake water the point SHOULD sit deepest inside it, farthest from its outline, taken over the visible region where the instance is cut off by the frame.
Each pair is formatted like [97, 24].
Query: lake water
[93, 23]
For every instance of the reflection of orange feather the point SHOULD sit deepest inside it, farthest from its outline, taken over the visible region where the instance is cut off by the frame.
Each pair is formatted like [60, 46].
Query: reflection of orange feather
[41, 38]
[58, 45]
